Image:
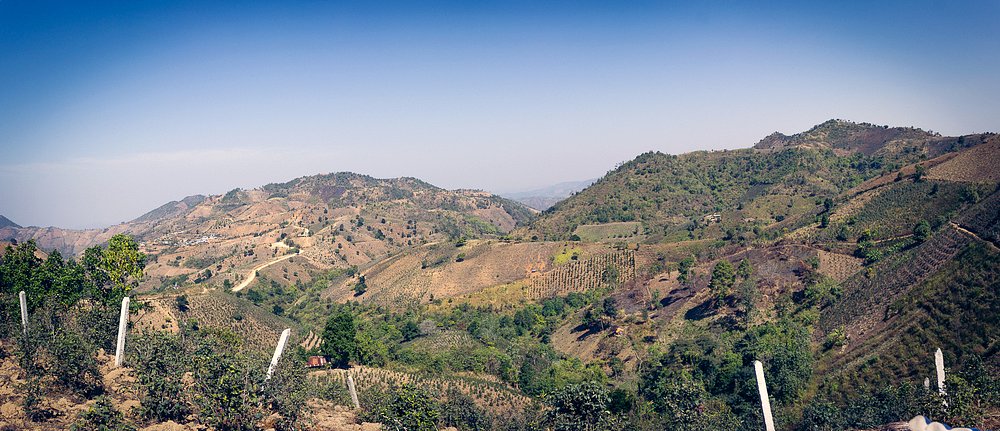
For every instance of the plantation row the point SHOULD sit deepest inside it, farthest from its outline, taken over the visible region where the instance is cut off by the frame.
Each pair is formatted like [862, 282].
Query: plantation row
[487, 394]
[312, 341]
[867, 296]
[984, 219]
[260, 329]
[580, 276]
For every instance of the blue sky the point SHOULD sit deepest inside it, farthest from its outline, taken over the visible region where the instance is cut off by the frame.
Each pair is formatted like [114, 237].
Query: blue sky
[110, 109]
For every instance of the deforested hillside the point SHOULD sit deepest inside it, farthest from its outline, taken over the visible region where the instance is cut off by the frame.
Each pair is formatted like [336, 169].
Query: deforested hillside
[331, 221]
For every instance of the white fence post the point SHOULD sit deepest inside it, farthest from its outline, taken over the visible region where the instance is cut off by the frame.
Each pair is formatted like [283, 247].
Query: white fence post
[939, 366]
[277, 352]
[354, 391]
[122, 327]
[764, 401]
[24, 311]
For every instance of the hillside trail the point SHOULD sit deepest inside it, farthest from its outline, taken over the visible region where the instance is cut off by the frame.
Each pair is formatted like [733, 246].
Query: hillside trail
[989, 243]
[253, 272]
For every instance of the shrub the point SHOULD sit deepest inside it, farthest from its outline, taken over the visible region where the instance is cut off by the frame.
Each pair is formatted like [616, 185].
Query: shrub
[286, 393]
[581, 407]
[227, 388]
[160, 362]
[102, 416]
[73, 364]
[408, 408]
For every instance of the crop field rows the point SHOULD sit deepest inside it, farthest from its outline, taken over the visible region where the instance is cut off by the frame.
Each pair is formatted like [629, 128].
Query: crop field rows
[582, 275]
[984, 219]
[491, 395]
[258, 330]
[312, 341]
[866, 297]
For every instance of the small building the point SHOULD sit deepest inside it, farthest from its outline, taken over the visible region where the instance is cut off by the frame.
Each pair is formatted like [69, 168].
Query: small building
[712, 218]
[316, 361]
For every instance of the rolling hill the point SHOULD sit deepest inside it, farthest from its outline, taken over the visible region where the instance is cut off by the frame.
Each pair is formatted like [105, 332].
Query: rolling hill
[852, 251]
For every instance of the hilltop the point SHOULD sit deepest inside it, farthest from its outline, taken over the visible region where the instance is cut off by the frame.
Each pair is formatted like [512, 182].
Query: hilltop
[339, 220]
[710, 194]
[5, 222]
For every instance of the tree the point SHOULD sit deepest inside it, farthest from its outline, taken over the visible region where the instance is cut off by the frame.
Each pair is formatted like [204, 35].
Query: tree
[182, 303]
[610, 307]
[123, 263]
[922, 231]
[745, 270]
[675, 394]
[581, 407]
[339, 343]
[410, 330]
[723, 277]
[684, 268]
[360, 287]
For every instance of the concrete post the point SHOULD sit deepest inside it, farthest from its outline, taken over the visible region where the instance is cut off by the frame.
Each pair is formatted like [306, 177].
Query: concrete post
[24, 311]
[278, 351]
[939, 366]
[122, 327]
[354, 392]
[765, 402]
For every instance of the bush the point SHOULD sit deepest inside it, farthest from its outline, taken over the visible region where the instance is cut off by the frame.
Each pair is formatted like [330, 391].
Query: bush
[160, 362]
[227, 388]
[407, 408]
[286, 393]
[102, 416]
[73, 363]
[581, 407]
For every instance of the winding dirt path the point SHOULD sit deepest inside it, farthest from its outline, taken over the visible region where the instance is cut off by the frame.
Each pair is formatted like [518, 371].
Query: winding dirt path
[253, 272]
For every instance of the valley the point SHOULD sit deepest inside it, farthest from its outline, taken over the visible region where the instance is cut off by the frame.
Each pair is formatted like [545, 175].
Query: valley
[840, 257]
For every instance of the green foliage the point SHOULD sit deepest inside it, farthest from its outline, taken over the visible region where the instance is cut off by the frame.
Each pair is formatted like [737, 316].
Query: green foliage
[675, 394]
[723, 278]
[160, 360]
[922, 231]
[583, 406]
[784, 349]
[102, 416]
[821, 293]
[75, 366]
[360, 287]
[227, 387]
[407, 408]
[339, 343]
[460, 411]
[182, 303]
[286, 393]
[684, 268]
[123, 263]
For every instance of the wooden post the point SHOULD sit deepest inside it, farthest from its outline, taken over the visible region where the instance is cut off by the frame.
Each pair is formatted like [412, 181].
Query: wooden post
[24, 311]
[122, 327]
[277, 352]
[765, 402]
[354, 392]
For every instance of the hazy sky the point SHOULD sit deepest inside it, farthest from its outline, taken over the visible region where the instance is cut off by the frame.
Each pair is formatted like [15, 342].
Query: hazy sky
[110, 109]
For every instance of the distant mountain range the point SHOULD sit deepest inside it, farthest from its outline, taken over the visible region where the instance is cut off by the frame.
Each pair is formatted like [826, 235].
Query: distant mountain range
[5, 222]
[545, 197]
